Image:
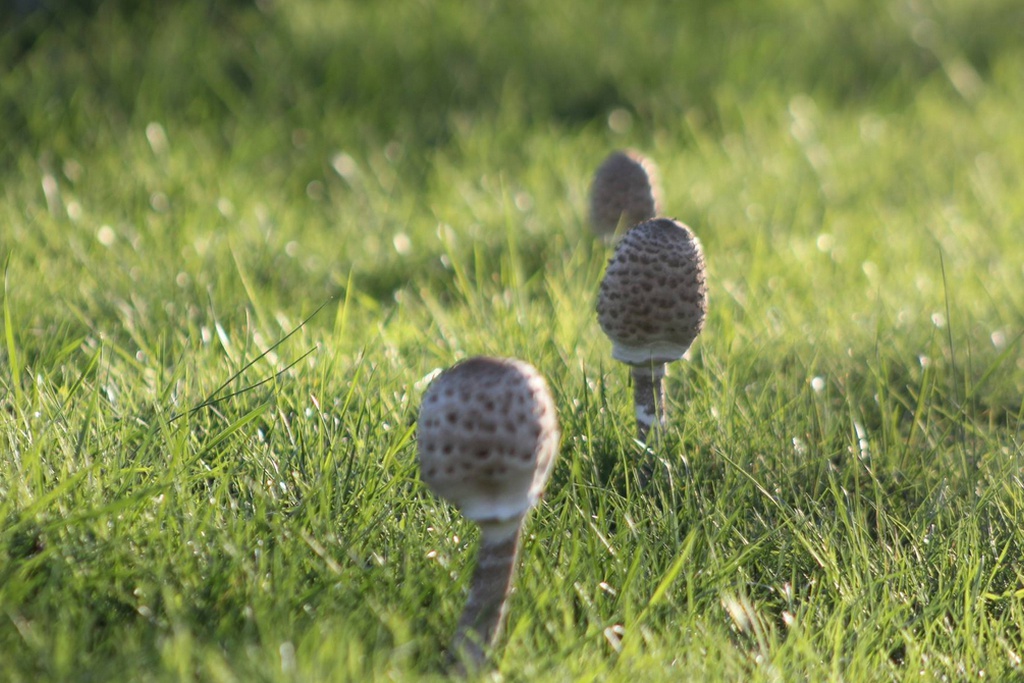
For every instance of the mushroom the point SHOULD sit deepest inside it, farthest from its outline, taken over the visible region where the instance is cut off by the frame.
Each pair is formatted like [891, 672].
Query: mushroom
[487, 438]
[623, 193]
[651, 305]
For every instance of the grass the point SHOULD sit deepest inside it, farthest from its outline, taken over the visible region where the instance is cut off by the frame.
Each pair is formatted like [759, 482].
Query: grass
[237, 240]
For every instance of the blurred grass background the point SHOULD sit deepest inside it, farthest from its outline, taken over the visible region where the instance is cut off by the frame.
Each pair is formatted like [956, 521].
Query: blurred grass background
[352, 124]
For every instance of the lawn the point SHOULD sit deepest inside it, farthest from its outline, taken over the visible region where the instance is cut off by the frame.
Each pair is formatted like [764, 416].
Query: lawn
[239, 238]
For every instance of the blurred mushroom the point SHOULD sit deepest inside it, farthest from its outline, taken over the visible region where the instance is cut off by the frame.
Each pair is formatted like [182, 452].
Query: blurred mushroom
[624, 192]
[487, 439]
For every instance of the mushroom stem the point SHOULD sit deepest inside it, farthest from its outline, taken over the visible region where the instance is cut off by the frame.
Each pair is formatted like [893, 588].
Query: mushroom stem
[649, 398]
[481, 622]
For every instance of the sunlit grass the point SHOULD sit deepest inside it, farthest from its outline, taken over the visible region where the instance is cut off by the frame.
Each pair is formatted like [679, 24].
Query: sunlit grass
[239, 240]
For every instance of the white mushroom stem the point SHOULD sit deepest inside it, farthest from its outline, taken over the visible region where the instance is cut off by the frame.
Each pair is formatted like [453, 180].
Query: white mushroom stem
[482, 619]
[649, 398]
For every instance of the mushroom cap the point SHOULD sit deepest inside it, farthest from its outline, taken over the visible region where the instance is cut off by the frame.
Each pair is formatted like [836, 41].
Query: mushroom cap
[654, 298]
[487, 437]
[624, 190]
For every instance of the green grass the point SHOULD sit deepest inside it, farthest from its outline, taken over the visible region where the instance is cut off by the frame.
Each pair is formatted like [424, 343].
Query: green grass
[237, 239]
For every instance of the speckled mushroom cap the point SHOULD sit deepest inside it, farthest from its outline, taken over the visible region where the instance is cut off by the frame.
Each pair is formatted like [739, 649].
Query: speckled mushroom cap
[625, 187]
[653, 298]
[487, 437]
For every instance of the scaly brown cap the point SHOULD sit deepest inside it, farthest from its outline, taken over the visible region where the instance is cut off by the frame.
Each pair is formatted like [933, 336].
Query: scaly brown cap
[624, 191]
[487, 437]
[654, 298]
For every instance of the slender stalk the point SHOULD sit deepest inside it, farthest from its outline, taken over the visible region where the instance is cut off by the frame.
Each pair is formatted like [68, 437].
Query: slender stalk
[649, 398]
[482, 619]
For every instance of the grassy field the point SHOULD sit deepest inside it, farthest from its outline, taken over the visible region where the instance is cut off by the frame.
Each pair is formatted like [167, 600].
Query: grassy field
[238, 238]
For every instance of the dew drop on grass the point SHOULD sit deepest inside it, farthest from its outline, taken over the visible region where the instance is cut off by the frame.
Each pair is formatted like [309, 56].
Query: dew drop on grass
[620, 120]
[157, 138]
[106, 235]
[159, 202]
[225, 207]
[394, 151]
[287, 652]
[345, 166]
[613, 634]
[740, 611]
[403, 245]
[863, 446]
[424, 381]
[72, 170]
